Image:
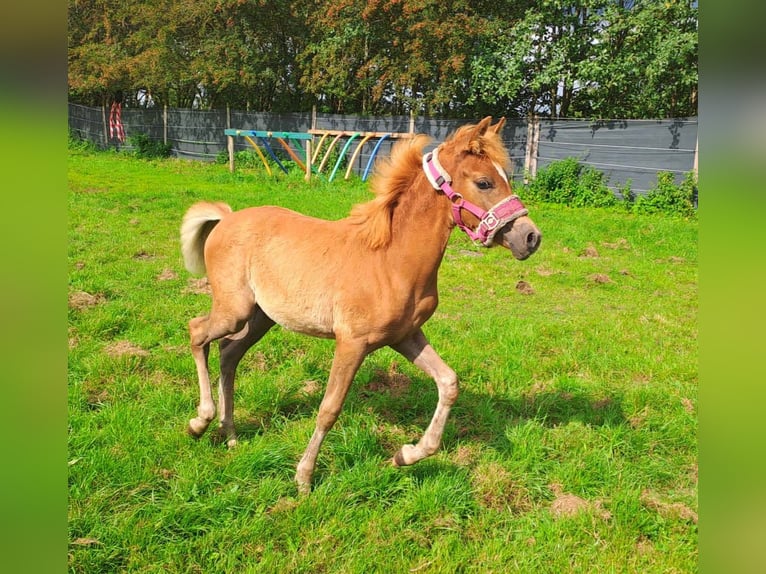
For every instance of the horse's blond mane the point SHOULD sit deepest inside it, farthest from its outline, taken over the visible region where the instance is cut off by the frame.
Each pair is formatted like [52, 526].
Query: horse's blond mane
[394, 176]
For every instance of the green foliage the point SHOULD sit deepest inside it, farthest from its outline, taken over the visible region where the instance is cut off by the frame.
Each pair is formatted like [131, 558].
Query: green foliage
[244, 158]
[582, 58]
[571, 183]
[76, 143]
[148, 148]
[669, 197]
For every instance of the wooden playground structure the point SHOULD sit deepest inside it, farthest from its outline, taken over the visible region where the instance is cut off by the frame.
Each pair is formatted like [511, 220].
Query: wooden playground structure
[309, 160]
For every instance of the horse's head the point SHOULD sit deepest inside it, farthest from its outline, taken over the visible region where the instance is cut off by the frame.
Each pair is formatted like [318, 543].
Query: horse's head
[470, 168]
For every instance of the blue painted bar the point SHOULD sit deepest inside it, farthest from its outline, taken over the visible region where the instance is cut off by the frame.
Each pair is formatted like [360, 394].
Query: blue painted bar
[265, 142]
[372, 156]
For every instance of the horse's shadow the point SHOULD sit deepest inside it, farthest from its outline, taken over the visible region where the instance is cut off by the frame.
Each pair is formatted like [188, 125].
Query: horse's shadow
[487, 418]
[478, 417]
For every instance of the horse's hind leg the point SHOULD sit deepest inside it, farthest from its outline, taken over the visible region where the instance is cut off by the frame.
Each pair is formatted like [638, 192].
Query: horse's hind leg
[224, 319]
[418, 350]
[206, 408]
[232, 349]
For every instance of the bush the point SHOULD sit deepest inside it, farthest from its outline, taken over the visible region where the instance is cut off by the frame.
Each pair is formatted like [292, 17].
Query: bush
[147, 148]
[77, 143]
[668, 197]
[243, 158]
[571, 183]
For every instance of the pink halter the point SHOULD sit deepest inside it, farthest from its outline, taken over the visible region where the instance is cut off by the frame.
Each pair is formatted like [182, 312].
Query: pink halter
[490, 222]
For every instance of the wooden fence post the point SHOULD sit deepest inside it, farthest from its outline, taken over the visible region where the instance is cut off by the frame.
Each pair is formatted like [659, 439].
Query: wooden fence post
[308, 160]
[533, 138]
[696, 156]
[106, 129]
[229, 140]
[230, 147]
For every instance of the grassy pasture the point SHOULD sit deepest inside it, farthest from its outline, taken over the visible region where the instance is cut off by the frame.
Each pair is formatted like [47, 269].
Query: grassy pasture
[572, 447]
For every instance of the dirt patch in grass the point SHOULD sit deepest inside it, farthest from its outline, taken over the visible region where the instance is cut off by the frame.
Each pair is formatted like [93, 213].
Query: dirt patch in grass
[392, 381]
[311, 387]
[80, 300]
[621, 243]
[545, 272]
[143, 256]
[638, 420]
[73, 338]
[125, 348]
[670, 510]
[589, 251]
[466, 455]
[166, 473]
[524, 288]
[496, 489]
[600, 278]
[284, 504]
[85, 541]
[96, 397]
[568, 504]
[167, 275]
[198, 286]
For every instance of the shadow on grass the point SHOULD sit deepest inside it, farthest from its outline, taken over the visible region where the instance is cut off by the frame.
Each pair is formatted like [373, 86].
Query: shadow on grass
[485, 417]
[476, 416]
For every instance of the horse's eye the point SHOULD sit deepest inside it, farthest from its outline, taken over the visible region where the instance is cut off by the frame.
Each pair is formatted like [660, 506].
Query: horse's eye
[484, 184]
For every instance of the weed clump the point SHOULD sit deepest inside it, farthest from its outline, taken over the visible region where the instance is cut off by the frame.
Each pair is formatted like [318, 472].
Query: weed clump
[147, 148]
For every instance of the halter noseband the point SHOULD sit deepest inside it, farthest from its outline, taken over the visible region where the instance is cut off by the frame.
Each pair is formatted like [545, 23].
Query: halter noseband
[490, 222]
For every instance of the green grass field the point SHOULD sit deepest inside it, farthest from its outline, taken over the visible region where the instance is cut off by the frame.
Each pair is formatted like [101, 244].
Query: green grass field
[572, 448]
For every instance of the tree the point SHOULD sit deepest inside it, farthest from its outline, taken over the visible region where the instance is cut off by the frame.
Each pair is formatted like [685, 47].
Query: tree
[185, 52]
[644, 61]
[593, 58]
[389, 56]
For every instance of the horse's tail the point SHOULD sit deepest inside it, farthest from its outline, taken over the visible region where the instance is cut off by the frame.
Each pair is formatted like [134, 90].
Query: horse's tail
[197, 224]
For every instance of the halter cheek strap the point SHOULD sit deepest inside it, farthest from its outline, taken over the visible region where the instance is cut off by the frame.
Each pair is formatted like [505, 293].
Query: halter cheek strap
[490, 222]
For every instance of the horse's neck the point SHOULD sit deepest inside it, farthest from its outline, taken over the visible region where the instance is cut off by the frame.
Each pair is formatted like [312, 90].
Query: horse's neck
[421, 226]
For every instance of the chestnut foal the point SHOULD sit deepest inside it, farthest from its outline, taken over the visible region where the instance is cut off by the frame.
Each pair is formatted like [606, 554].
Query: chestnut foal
[367, 281]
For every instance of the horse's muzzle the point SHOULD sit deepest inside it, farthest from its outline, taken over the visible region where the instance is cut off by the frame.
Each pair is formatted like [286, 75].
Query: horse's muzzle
[521, 236]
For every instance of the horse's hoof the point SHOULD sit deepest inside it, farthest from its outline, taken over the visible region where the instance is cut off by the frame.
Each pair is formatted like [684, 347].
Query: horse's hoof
[304, 489]
[195, 429]
[406, 456]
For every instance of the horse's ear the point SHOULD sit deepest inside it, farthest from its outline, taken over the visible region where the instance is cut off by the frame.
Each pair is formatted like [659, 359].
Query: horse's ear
[474, 141]
[498, 127]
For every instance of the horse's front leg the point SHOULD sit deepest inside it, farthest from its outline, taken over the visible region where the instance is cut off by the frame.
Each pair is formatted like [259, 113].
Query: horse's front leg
[348, 357]
[417, 349]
